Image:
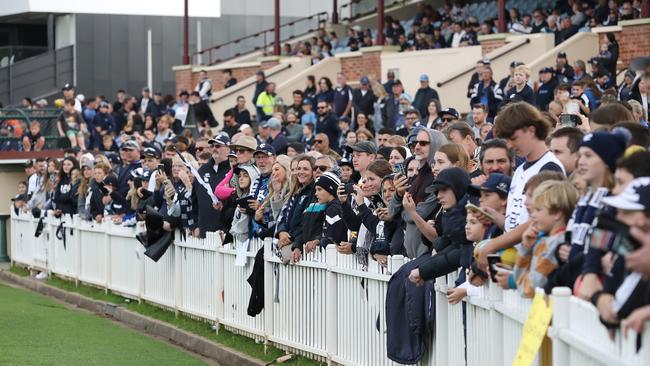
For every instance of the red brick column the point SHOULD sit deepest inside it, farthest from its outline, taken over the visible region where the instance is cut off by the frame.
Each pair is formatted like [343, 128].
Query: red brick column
[366, 62]
[491, 42]
[183, 78]
[633, 40]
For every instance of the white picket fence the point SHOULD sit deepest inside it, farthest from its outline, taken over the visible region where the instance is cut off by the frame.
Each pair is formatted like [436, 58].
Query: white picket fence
[325, 307]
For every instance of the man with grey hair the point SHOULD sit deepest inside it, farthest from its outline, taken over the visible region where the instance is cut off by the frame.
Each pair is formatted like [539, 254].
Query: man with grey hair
[326, 163]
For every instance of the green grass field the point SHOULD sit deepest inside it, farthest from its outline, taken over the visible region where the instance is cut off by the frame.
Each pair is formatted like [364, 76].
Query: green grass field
[35, 330]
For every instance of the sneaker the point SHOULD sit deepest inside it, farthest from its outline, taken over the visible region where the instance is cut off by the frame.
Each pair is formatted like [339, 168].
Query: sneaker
[41, 276]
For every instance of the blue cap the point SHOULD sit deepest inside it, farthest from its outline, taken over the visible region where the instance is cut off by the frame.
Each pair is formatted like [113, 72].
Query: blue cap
[221, 139]
[364, 80]
[546, 69]
[450, 111]
[496, 182]
[265, 149]
[424, 77]
[306, 101]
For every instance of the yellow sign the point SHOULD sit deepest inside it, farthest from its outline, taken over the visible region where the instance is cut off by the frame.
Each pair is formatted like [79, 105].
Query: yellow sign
[534, 331]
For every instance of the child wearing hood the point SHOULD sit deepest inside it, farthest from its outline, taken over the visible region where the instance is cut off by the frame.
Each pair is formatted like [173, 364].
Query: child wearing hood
[453, 250]
[246, 175]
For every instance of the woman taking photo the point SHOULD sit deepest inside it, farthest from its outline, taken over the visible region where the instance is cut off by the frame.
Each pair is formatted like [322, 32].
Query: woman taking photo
[361, 211]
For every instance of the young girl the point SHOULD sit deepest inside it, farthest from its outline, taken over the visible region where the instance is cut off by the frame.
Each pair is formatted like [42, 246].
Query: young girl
[551, 207]
[246, 174]
[322, 222]
[65, 194]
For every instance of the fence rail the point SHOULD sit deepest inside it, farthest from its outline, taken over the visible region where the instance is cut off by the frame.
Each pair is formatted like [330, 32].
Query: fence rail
[326, 307]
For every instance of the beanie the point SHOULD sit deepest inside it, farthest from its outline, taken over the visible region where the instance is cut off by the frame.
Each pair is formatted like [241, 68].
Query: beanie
[608, 146]
[329, 182]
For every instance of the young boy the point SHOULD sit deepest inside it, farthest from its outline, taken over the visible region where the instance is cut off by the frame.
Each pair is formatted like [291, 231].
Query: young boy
[322, 219]
[308, 116]
[71, 125]
[33, 140]
[551, 207]
[475, 231]
[308, 135]
[521, 91]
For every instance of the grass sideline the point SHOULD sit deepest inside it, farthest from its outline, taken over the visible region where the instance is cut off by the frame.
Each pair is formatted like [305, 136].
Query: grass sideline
[229, 339]
[40, 331]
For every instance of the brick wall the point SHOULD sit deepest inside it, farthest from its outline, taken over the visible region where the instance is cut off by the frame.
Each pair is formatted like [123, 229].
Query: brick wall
[633, 41]
[365, 64]
[488, 46]
[186, 79]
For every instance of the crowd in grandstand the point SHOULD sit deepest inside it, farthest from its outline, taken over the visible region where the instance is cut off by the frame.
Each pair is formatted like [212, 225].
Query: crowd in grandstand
[544, 184]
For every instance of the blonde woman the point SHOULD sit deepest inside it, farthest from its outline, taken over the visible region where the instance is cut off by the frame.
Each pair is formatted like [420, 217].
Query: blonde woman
[279, 187]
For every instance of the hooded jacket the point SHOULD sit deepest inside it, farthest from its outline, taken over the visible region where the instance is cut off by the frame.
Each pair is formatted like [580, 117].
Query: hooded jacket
[291, 220]
[65, 195]
[240, 225]
[453, 250]
[426, 204]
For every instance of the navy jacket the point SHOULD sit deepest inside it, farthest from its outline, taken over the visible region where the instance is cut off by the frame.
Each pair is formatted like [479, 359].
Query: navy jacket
[410, 315]
[329, 125]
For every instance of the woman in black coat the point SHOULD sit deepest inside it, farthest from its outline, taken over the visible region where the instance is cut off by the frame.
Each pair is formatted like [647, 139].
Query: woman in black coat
[65, 194]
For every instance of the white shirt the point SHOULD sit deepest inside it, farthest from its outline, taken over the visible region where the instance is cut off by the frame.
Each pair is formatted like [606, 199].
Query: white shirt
[516, 213]
[455, 39]
[34, 183]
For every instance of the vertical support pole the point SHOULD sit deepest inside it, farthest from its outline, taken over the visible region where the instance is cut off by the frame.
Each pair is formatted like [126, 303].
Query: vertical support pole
[199, 56]
[178, 282]
[335, 13]
[276, 29]
[645, 9]
[495, 294]
[561, 305]
[331, 296]
[380, 22]
[186, 36]
[107, 254]
[149, 61]
[501, 11]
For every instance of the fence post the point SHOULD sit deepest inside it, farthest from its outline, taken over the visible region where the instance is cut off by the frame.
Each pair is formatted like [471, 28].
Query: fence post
[441, 341]
[140, 250]
[108, 228]
[178, 281]
[268, 290]
[495, 338]
[331, 309]
[561, 313]
[219, 281]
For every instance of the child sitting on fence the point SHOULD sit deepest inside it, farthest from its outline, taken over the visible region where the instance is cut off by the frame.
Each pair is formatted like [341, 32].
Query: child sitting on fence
[551, 207]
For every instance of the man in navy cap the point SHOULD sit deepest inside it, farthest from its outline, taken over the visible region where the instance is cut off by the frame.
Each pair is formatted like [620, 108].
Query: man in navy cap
[424, 95]
[276, 138]
[493, 197]
[211, 219]
[264, 156]
[546, 89]
[563, 71]
[363, 98]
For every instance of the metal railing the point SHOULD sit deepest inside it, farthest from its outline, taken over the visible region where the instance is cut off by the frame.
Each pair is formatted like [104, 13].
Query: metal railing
[263, 38]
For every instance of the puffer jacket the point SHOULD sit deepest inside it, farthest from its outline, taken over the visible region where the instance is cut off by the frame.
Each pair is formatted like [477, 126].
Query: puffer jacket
[291, 220]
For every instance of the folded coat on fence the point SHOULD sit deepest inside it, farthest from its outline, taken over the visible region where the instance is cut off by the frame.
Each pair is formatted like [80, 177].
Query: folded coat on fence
[409, 315]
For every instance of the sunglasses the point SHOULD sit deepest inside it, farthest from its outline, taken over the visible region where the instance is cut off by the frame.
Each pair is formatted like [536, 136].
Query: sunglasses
[318, 141]
[421, 143]
[199, 149]
[322, 168]
[447, 119]
[321, 107]
[241, 151]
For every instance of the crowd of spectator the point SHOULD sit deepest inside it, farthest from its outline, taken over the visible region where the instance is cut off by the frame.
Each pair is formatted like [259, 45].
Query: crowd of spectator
[544, 184]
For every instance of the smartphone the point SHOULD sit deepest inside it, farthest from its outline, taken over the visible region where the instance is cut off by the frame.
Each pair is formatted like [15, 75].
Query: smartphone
[475, 208]
[570, 120]
[349, 188]
[243, 202]
[572, 107]
[493, 260]
[377, 201]
[399, 169]
[619, 235]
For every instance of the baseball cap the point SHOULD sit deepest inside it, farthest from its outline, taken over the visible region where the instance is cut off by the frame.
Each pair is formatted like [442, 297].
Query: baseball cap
[67, 86]
[103, 104]
[20, 197]
[129, 145]
[265, 149]
[362, 146]
[635, 197]
[424, 77]
[272, 123]
[345, 161]
[306, 101]
[151, 152]
[364, 80]
[546, 69]
[29, 163]
[514, 64]
[496, 182]
[486, 61]
[220, 139]
[561, 54]
[450, 111]
[232, 154]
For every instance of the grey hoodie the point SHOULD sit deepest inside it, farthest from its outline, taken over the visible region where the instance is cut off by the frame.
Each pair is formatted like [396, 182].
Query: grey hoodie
[240, 224]
[412, 237]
